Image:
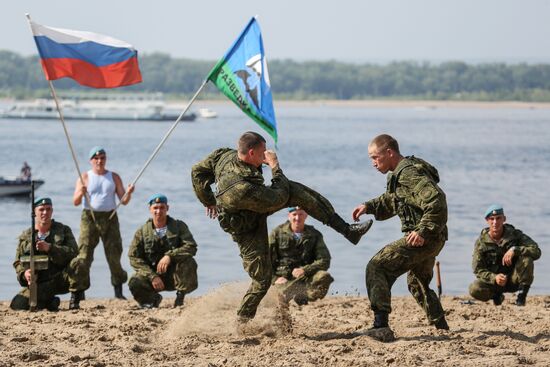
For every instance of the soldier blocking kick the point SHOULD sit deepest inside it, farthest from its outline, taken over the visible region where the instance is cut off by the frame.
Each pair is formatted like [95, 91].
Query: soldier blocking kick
[413, 194]
[242, 203]
[162, 256]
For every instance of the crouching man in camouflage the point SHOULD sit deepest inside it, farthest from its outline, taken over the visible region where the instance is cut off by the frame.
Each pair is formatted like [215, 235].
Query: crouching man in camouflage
[58, 270]
[162, 256]
[243, 203]
[413, 194]
[503, 260]
[300, 259]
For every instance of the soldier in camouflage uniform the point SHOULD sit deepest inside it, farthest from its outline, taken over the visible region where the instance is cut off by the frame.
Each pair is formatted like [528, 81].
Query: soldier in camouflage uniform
[162, 256]
[242, 204]
[98, 221]
[300, 259]
[55, 245]
[502, 260]
[413, 194]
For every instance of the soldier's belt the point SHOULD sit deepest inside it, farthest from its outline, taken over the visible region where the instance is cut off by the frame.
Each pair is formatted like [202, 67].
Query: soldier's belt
[40, 262]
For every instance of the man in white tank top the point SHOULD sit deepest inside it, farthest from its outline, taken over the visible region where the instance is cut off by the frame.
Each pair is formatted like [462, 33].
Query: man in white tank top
[102, 186]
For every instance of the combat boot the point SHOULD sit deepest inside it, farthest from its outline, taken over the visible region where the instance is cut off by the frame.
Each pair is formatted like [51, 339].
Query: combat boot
[19, 302]
[498, 298]
[76, 297]
[118, 292]
[441, 324]
[352, 232]
[155, 304]
[179, 299]
[53, 304]
[380, 329]
[380, 320]
[301, 299]
[522, 295]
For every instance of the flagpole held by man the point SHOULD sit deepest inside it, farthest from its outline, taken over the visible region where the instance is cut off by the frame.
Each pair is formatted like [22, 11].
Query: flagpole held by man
[90, 59]
[242, 75]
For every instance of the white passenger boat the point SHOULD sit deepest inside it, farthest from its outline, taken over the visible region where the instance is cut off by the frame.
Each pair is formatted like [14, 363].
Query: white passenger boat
[151, 110]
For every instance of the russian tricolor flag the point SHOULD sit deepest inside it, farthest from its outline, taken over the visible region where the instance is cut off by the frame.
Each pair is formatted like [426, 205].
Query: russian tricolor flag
[91, 59]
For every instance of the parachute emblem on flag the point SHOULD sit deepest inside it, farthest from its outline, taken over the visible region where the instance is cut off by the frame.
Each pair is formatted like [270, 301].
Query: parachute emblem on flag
[243, 77]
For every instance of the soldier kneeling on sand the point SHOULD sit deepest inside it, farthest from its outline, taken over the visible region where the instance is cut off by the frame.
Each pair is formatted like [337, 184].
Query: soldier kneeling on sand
[58, 270]
[503, 260]
[300, 259]
[162, 256]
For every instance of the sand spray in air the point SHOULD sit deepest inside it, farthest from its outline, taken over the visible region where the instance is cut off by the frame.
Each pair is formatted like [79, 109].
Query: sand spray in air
[215, 313]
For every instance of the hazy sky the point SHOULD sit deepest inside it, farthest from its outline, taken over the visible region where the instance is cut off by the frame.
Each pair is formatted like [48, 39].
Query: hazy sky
[347, 30]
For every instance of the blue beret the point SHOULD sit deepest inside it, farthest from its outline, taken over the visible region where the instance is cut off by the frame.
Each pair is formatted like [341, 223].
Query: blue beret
[42, 201]
[293, 208]
[157, 199]
[495, 209]
[96, 150]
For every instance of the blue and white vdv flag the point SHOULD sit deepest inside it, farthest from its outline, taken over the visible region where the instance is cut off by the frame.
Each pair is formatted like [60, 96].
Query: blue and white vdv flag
[243, 77]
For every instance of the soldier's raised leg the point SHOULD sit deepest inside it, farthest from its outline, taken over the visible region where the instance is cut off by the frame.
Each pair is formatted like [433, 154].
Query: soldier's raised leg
[321, 209]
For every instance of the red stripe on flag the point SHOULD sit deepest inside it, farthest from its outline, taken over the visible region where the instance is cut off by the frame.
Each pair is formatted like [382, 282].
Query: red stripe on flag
[109, 76]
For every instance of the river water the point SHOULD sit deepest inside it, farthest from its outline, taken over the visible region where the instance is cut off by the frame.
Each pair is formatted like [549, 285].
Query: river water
[483, 156]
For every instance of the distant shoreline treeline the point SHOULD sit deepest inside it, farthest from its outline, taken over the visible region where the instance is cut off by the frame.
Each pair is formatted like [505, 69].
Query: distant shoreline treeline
[21, 77]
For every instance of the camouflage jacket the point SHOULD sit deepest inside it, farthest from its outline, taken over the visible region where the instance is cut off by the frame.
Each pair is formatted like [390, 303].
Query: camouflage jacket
[240, 190]
[412, 193]
[487, 257]
[63, 249]
[147, 248]
[287, 253]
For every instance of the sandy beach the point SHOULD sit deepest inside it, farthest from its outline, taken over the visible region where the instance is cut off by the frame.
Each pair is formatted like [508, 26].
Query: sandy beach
[326, 333]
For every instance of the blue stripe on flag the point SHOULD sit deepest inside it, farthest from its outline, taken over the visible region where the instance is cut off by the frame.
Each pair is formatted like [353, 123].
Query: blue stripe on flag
[91, 52]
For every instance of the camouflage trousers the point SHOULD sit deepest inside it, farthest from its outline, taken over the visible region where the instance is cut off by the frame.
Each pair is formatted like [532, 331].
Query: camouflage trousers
[73, 278]
[108, 231]
[180, 276]
[311, 287]
[315, 204]
[254, 247]
[254, 251]
[522, 273]
[397, 258]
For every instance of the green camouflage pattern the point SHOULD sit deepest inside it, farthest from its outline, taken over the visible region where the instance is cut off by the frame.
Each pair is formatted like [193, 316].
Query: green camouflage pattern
[415, 197]
[65, 271]
[413, 194]
[487, 262]
[309, 253]
[108, 230]
[146, 251]
[244, 202]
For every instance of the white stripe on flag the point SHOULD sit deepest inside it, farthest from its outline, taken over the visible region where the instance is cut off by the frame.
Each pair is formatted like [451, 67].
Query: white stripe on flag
[61, 35]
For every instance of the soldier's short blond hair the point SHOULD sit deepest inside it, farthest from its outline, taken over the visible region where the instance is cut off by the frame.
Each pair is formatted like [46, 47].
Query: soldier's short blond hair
[249, 140]
[385, 141]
